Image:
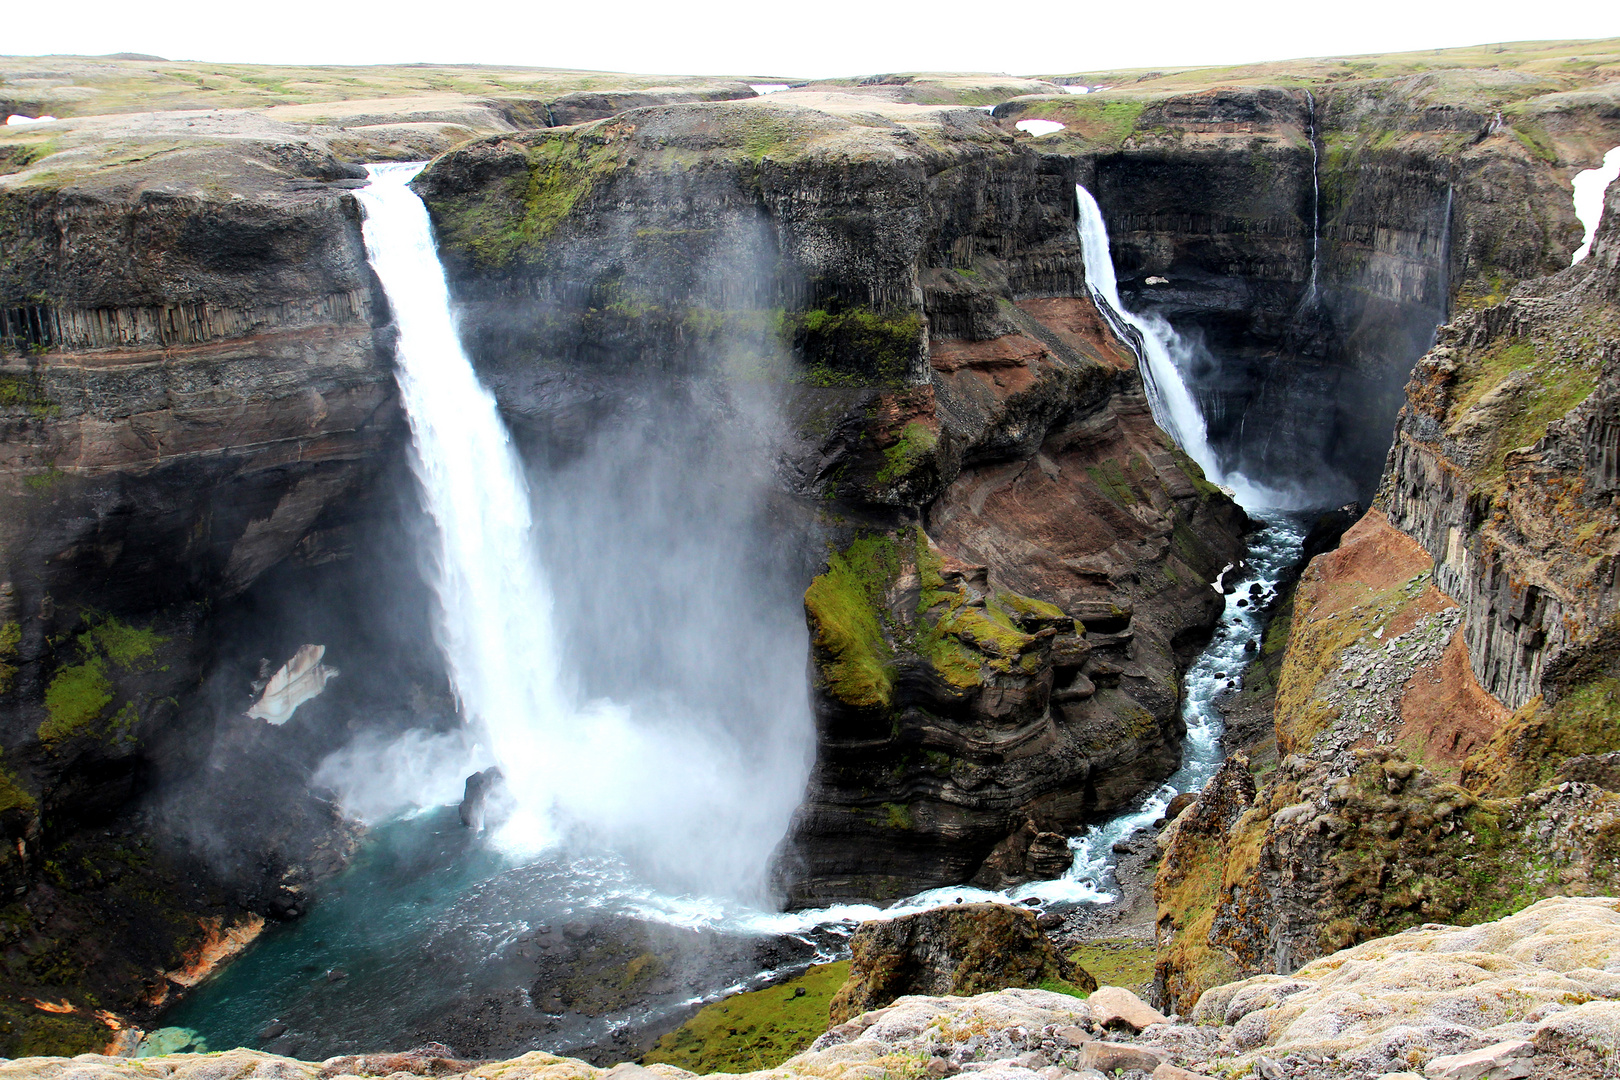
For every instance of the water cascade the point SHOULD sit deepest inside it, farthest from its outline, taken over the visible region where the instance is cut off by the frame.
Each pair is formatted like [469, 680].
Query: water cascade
[425, 887]
[1316, 204]
[495, 605]
[1174, 408]
[664, 781]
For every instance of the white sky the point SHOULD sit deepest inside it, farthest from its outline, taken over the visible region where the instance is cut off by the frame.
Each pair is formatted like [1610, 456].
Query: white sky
[806, 39]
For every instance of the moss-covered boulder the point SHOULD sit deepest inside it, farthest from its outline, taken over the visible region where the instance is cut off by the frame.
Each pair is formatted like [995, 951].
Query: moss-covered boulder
[960, 950]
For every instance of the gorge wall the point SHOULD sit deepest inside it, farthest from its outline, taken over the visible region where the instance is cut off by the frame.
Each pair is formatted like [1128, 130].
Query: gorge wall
[1312, 240]
[1445, 714]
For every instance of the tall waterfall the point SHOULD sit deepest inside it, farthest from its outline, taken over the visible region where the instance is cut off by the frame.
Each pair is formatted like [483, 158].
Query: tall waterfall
[1316, 205]
[495, 604]
[1174, 408]
[697, 794]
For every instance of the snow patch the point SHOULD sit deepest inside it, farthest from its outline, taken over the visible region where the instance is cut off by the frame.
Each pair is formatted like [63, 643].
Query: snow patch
[1037, 128]
[1589, 188]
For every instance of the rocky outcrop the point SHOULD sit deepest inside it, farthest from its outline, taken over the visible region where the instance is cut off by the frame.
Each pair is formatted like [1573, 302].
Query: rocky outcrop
[1314, 239]
[1504, 467]
[960, 950]
[197, 420]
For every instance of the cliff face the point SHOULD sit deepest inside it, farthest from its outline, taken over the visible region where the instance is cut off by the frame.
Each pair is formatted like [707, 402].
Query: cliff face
[1314, 239]
[197, 429]
[976, 437]
[1447, 711]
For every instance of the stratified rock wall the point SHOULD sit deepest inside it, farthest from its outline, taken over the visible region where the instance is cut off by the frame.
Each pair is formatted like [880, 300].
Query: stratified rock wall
[1313, 242]
[918, 293]
[1448, 713]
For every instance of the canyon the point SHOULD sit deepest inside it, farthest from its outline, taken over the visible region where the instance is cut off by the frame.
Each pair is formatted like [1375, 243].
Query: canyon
[1005, 564]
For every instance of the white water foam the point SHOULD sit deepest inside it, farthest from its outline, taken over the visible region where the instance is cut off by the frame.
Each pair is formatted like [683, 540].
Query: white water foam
[1590, 186]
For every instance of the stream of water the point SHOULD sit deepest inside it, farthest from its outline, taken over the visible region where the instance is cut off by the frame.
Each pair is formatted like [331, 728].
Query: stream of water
[434, 920]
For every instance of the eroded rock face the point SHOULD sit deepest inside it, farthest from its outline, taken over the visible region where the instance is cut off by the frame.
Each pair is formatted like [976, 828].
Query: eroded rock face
[1504, 466]
[1410, 790]
[960, 950]
[1318, 272]
[194, 401]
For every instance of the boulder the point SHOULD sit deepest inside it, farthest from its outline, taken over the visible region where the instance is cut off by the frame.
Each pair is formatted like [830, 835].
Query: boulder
[960, 950]
[1105, 1057]
[1116, 1007]
[1500, 1061]
[1589, 1030]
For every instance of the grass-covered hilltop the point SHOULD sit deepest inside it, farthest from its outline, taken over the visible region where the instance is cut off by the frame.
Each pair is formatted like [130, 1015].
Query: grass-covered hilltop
[1005, 565]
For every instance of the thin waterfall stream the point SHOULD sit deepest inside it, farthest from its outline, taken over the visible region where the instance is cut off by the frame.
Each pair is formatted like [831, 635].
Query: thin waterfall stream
[1316, 204]
[434, 920]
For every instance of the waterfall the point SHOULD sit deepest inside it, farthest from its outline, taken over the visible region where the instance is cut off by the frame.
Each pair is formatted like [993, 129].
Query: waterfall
[1174, 408]
[495, 620]
[1316, 205]
[689, 794]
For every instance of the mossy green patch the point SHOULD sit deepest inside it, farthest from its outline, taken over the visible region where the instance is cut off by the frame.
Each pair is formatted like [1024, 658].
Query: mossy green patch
[10, 638]
[26, 392]
[1549, 382]
[1535, 139]
[844, 605]
[33, 1032]
[1109, 476]
[1126, 962]
[78, 694]
[75, 698]
[511, 224]
[13, 796]
[754, 1031]
[1028, 607]
[1533, 746]
[1099, 121]
[856, 345]
[917, 441]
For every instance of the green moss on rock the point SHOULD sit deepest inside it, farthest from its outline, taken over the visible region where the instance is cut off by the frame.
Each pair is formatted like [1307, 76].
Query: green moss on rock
[960, 949]
[856, 345]
[78, 695]
[754, 1031]
[845, 609]
[500, 228]
[917, 441]
[10, 638]
[75, 699]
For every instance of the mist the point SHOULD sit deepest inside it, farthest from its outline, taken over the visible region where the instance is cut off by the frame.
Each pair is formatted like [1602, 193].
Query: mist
[624, 640]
